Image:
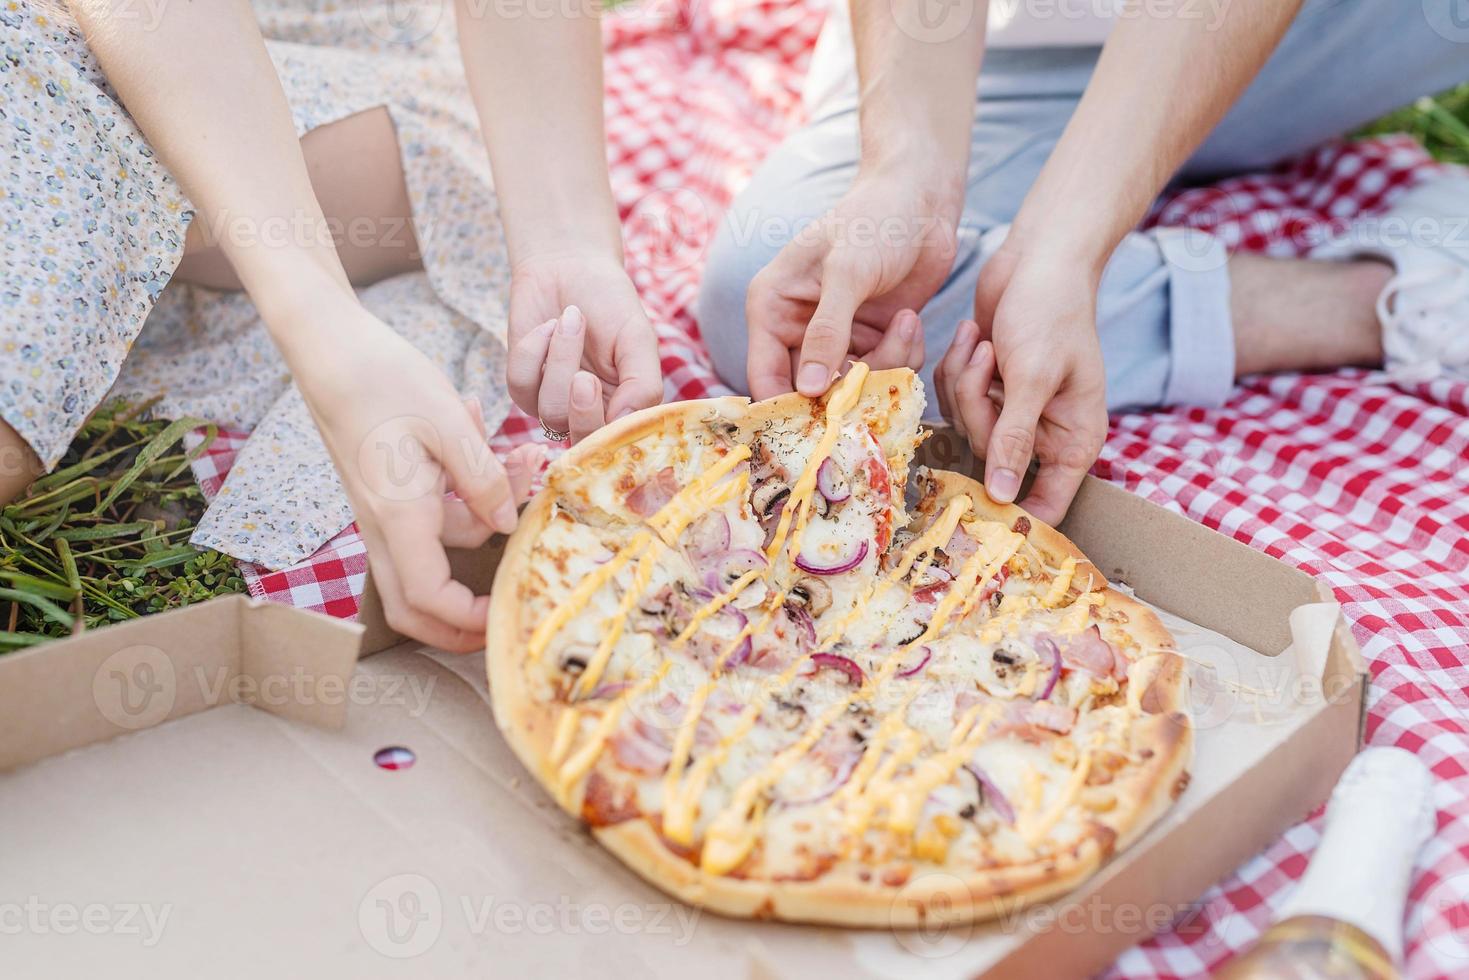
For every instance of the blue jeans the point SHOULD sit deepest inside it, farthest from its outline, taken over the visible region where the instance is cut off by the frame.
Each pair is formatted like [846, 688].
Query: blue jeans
[1163, 307]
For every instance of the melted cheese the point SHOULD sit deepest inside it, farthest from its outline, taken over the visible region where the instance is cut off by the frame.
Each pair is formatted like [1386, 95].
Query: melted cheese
[842, 400]
[714, 605]
[582, 761]
[582, 594]
[694, 500]
[936, 536]
[905, 802]
[615, 623]
[1036, 831]
[1061, 584]
[566, 727]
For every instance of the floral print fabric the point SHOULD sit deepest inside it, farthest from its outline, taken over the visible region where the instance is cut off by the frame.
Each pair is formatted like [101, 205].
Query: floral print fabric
[94, 226]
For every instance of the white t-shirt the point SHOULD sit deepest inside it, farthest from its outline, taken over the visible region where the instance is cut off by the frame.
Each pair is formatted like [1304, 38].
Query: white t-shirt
[1049, 23]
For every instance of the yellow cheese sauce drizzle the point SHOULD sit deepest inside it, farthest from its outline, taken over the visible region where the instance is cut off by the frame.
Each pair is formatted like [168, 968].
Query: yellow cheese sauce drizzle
[905, 799]
[1035, 831]
[582, 594]
[669, 522]
[842, 400]
[731, 833]
[936, 536]
[681, 802]
[714, 605]
[614, 624]
[692, 501]
[581, 762]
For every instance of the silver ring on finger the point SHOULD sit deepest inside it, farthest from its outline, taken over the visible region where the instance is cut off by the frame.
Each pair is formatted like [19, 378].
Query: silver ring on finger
[555, 435]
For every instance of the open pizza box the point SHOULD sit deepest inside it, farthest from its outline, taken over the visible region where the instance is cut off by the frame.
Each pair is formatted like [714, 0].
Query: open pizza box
[195, 794]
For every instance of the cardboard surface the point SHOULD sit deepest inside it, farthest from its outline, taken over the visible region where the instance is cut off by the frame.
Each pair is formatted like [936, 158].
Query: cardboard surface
[245, 832]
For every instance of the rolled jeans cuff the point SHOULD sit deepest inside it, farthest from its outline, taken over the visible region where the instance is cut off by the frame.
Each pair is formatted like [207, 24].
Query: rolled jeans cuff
[1200, 329]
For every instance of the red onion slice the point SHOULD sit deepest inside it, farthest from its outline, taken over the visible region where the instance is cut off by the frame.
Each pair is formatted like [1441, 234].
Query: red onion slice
[802, 618]
[927, 656]
[990, 793]
[741, 652]
[709, 535]
[607, 690]
[831, 483]
[732, 564]
[839, 777]
[1046, 646]
[838, 662]
[851, 561]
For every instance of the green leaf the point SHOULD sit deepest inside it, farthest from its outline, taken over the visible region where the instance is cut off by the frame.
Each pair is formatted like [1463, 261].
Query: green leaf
[156, 446]
[14, 640]
[30, 583]
[69, 565]
[164, 559]
[69, 473]
[45, 606]
[98, 532]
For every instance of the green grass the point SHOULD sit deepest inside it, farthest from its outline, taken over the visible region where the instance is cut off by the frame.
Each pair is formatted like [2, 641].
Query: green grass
[1440, 123]
[104, 537]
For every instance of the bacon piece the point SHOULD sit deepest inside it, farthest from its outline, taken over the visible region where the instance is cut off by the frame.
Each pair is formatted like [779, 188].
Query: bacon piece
[959, 547]
[641, 747]
[1089, 652]
[1033, 721]
[1050, 716]
[648, 498]
[603, 804]
[929, 594]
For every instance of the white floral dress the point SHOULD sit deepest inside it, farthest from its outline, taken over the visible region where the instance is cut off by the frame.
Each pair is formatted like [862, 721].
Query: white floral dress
[93, 228]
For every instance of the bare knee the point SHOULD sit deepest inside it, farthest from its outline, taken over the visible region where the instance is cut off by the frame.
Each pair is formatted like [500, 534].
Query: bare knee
[19, 464]
[356, 172]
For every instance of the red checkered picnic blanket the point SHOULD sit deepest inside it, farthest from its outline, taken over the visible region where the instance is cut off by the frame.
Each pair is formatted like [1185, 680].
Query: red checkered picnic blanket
[1346, 476]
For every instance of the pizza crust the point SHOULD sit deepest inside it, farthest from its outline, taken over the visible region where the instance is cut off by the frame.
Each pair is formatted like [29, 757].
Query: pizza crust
[840, 896]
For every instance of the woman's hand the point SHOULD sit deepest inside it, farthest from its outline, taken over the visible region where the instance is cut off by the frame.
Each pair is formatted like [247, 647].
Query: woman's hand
[844, 287]
[401, 437]
[582, 352]
[1035, 333]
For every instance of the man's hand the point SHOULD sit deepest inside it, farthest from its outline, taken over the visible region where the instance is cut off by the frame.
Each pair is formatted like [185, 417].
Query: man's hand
[582, 352]
[845, 287]
[401, 436]
[1036, 336]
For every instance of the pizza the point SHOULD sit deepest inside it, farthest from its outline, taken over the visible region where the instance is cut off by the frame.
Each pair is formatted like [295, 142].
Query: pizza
[781, 672]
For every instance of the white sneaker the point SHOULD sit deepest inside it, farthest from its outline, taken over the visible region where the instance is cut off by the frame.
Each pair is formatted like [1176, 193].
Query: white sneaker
[1424, 309]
